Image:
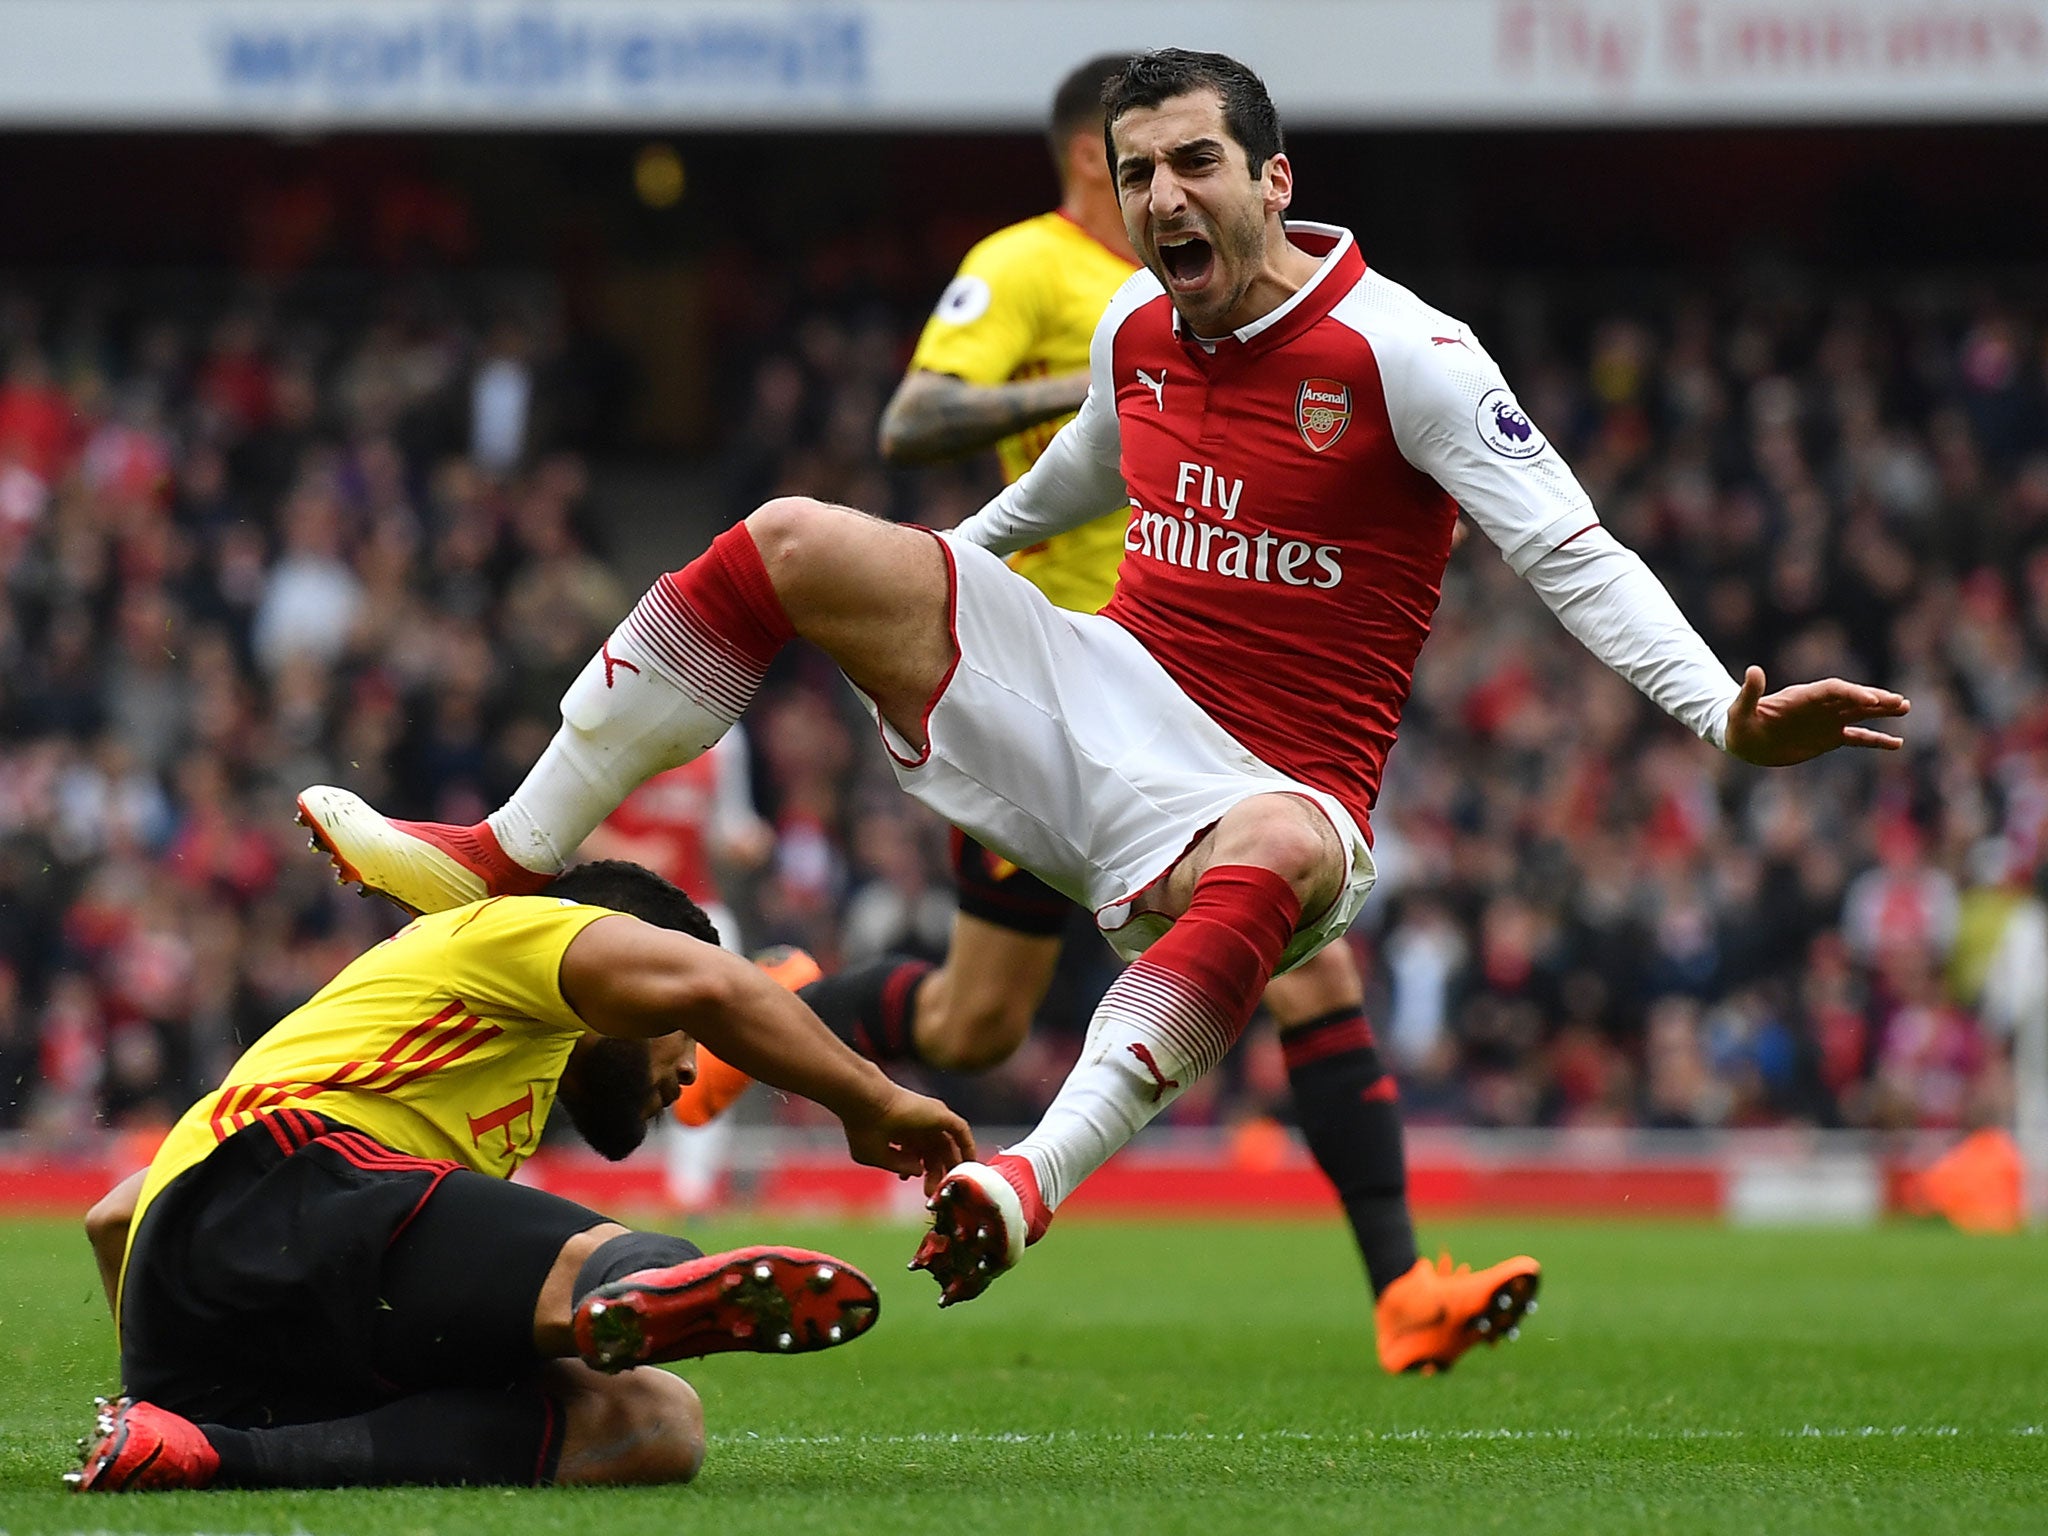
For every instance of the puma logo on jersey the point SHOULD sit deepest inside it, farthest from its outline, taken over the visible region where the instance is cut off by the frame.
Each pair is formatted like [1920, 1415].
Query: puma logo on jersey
[1157, 386]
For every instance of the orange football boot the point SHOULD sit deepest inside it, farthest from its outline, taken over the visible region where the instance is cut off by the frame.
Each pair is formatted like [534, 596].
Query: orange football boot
[1978, 1184]
[719, 1084]
[1432, 1315]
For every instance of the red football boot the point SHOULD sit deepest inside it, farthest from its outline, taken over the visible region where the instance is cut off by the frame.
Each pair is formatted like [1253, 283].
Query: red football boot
[983, 1217]
[424, 866]
[775, 1301]
[137, 1446]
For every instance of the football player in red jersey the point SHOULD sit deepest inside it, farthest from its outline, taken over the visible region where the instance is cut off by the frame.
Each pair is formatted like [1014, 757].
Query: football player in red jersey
[1024, 305]
[1295, 435]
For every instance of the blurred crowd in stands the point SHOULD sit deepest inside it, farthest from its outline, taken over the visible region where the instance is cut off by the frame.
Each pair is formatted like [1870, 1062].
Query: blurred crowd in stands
[265, 539]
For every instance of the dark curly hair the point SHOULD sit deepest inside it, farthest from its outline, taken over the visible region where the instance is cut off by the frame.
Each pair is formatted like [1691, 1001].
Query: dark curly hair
[1151, 78]
[635, 890]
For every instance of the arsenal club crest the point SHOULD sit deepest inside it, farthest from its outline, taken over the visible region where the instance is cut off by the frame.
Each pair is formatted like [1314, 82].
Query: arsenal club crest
[1322, 410]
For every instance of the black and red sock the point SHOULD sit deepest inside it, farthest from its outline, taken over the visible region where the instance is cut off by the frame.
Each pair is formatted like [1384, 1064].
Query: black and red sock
[628, 1254]
[872, 1006]
[475, 1435]
[1350, 1114]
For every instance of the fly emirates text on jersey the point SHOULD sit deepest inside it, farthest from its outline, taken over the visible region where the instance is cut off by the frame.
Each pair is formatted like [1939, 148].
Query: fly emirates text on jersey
[1197, 539]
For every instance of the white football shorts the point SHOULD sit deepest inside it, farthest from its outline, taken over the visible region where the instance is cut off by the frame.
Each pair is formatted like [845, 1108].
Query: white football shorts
[1060, 744]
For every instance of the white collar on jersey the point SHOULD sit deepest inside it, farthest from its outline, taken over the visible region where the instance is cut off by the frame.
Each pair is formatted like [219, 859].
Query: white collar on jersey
[1341, 242]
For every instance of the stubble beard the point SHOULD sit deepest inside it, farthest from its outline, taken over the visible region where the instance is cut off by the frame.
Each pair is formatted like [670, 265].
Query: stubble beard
[1238, 248]
[607, 1093]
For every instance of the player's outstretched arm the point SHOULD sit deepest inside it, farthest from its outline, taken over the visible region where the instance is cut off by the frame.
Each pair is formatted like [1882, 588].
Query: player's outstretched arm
[1605, 595]
[1455, 419]
[1807, 719]
[1079, 477]
[634, 980]
[933, 417]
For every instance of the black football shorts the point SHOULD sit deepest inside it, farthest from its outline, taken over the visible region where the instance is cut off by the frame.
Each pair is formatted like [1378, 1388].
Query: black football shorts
[305, 1271]
[998, 892]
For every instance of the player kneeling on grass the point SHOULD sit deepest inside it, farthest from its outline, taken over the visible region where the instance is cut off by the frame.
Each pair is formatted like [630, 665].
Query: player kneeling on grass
[326, 1279]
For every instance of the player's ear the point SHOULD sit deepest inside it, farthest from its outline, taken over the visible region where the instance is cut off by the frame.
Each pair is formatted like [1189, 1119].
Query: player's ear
[1277, 183]
[1085, 158]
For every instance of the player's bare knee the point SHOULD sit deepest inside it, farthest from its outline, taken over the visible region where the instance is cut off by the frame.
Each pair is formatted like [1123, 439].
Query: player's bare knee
[641, 1426]
[669, 1419]
[555, 1306]
[1320, 986]
[790, 532]
[1333, 970]
[585, 1243]
[1287, 835]
[107, 1217]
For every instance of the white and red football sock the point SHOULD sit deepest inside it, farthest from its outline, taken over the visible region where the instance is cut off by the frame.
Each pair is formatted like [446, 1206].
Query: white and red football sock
[671, 680]
[1164, 1022]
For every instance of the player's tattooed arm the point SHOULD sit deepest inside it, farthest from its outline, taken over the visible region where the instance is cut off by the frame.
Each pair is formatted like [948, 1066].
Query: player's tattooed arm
[106, 1228]
[935, 416]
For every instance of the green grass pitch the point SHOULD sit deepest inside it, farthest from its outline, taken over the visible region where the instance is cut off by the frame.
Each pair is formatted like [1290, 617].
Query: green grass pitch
[1210, 1378]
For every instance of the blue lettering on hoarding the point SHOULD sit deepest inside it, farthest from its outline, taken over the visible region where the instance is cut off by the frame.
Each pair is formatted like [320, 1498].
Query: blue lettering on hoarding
[540, 52]
[258, 59]
[639, 59]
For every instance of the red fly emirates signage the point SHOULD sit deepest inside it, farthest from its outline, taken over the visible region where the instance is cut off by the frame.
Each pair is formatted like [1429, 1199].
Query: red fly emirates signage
[1807, 54]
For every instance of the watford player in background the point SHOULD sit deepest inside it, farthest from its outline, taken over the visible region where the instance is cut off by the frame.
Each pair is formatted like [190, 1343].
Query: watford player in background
[1003, 364]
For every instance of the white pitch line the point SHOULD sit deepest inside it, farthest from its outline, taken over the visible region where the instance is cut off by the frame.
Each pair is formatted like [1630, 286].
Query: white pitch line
[1388, 1436]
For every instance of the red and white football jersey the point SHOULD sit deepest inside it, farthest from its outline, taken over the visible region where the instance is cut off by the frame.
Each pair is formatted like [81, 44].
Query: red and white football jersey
[1293, 488]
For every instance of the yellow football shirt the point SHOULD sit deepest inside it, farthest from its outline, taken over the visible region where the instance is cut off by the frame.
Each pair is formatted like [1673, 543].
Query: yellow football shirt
[446, 1040]
[1024, 305]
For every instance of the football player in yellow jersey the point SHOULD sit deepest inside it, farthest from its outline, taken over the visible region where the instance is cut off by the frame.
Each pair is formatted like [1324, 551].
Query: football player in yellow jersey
[1002, 363]
[325, 1276]
[1003, 360]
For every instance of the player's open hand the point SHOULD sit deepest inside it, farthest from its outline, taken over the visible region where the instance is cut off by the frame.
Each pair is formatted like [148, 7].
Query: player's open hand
[909, 1135]
[1807, 719]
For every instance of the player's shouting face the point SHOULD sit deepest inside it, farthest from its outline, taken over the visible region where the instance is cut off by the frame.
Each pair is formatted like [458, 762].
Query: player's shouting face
[1198, 216]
